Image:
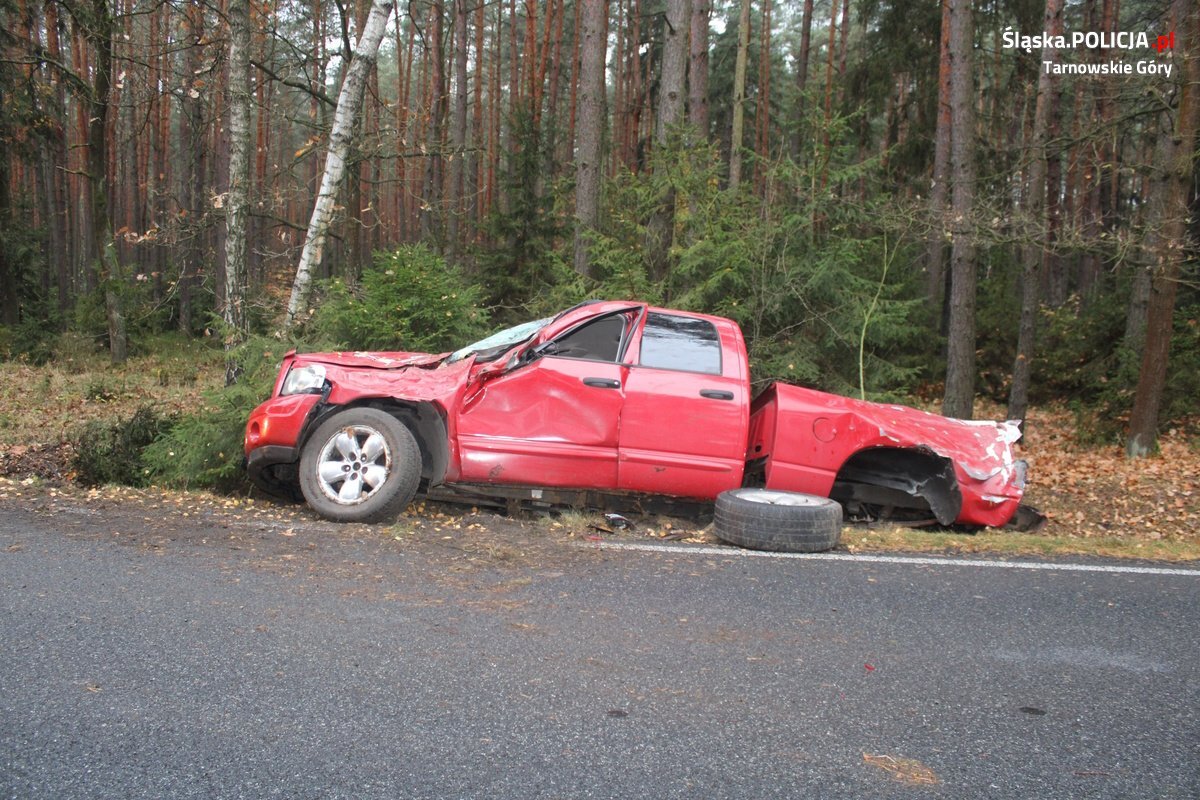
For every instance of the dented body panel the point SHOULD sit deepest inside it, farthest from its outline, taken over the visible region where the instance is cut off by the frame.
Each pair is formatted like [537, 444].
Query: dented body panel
[621, 397]
[807, 437]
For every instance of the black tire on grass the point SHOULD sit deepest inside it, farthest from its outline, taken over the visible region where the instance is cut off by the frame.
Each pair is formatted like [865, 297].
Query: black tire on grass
[785, 522]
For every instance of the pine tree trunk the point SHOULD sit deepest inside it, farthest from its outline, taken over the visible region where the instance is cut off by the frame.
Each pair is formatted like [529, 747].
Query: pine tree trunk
[672, 95]
[349, 102]
[935, 248]
[193, 145]
[458, 136]
[99, 28]
[475, 174]
[589, 127]
[59, 183]
[826, 141]
[959, 397]
[802, 78]
[762, 117]
[1167, 241]
[698, 69]
[573, 113]
[1032, 252]
[431, 195]
[10, 300]
[739, 98]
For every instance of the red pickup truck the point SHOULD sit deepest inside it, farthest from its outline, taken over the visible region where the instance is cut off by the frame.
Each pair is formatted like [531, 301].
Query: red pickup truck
[611, 398]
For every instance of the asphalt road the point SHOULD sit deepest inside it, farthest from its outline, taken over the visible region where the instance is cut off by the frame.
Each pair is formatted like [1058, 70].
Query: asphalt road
[215, 658]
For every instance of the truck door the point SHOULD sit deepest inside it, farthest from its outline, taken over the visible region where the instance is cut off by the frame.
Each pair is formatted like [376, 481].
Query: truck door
[683, 428]
[554, 421]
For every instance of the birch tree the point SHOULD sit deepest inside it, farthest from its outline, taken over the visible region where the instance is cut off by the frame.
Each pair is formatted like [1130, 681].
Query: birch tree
[340, 137]
[237, 205]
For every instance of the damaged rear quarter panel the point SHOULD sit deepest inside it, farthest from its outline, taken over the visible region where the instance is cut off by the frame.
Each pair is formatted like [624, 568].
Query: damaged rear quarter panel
[806, 436]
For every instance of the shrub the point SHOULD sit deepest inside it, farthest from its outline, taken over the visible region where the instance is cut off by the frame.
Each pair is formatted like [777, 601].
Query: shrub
[204, 449]
[409, 299]
[114, 451]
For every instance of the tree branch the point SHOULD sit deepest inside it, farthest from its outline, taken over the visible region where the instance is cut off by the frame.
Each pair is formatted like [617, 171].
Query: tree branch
[295, 84]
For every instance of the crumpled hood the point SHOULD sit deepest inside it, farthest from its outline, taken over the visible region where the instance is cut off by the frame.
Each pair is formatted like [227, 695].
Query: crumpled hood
[406, 376]
[386, 360]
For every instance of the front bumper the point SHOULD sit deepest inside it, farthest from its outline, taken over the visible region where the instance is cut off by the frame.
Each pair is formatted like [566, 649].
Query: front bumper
[274, 469]
[274, 435]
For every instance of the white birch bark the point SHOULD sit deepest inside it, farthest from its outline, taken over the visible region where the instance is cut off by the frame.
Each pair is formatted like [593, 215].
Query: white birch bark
[348, 106]
[237, 205]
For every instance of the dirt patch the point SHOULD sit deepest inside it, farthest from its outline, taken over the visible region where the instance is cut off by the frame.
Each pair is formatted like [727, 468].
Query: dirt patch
[290, 538]
[50, 462]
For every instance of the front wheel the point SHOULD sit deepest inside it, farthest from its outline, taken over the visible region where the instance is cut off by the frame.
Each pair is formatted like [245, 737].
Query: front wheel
[763, 519]
[361, 465]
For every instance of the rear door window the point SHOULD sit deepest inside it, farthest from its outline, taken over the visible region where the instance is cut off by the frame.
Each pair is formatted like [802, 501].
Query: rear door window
[686, 344]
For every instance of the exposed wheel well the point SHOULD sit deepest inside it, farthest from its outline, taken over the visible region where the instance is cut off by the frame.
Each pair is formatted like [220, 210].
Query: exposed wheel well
[888, 479]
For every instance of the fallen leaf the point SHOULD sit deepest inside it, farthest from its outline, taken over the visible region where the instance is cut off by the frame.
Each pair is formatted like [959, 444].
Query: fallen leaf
[905, 770]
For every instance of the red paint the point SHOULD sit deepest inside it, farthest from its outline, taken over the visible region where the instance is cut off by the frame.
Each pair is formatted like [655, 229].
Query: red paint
[635, 420]
[981, 451]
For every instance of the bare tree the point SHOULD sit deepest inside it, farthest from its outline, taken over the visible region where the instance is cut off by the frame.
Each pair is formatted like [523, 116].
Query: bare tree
[348, 105]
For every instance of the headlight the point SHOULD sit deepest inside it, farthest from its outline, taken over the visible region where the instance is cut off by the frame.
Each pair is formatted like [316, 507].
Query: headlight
[308, 379]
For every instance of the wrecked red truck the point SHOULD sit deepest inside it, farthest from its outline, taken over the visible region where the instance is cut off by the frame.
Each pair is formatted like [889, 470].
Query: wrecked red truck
[611, 400]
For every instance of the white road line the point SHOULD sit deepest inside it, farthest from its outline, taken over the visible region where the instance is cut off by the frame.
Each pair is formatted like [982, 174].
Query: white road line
[917, 560]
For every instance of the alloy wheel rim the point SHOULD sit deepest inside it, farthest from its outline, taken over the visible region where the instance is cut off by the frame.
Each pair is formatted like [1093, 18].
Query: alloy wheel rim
[354, 464]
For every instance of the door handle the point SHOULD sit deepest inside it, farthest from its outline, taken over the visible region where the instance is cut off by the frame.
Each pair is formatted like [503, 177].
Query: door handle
[716, 394]
[602, 383]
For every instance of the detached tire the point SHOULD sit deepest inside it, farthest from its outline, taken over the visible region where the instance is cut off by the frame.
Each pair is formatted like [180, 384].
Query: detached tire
[361, 465]
[784, 522]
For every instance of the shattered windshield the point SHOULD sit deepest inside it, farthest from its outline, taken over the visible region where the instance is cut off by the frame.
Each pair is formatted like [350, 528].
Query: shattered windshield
[497, 344]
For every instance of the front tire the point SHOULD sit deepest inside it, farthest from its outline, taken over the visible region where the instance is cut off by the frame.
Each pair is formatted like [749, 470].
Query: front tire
[361, 465]
[788, 522]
